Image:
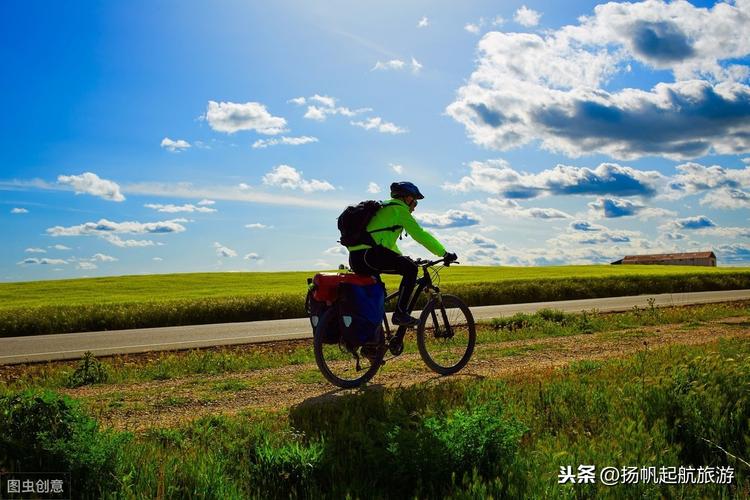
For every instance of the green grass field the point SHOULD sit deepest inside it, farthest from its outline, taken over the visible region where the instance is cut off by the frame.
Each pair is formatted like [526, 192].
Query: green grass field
[139, 288]
[117, 303]
[679, 406]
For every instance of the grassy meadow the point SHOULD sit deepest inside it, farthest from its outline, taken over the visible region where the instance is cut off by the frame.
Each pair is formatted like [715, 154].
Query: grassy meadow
[114, 303]
[501, 436]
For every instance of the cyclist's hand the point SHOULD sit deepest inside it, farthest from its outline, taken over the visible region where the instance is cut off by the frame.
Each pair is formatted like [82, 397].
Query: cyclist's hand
[450, 257]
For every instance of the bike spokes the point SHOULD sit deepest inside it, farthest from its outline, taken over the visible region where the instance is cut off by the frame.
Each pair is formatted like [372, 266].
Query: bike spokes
[447, 335]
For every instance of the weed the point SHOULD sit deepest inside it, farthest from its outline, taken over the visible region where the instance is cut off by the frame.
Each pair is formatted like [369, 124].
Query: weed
[89, 371]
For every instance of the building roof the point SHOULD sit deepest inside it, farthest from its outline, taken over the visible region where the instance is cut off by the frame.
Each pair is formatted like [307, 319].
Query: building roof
[669, 256]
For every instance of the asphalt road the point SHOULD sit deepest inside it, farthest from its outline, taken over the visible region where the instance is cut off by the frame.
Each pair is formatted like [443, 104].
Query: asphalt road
[36, 348]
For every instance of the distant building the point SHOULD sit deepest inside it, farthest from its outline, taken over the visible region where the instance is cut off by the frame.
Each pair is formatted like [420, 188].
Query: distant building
[672, 259]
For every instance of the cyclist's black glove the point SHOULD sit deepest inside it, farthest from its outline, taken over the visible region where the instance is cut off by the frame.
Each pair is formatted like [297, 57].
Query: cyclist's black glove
[450, 257]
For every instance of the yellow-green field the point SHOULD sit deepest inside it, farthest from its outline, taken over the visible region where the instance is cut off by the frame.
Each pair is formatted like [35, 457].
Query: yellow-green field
[139, 288]
[117, 303]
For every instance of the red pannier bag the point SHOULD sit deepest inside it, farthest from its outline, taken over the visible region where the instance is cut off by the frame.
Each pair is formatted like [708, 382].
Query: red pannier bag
[323, 294]
[326, 284]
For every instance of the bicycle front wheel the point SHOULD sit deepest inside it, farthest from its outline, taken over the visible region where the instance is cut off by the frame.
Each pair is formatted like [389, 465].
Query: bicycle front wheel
[338, 364]
[446, 334]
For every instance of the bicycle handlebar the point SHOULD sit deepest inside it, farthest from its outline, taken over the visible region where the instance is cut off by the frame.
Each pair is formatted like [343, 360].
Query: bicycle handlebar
[430, 263]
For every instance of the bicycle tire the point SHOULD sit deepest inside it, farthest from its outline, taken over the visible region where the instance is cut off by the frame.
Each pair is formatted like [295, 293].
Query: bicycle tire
[424, 340]
[319, 349]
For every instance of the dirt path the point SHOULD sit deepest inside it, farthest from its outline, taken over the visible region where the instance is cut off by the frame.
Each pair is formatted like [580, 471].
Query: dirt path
[171, 402]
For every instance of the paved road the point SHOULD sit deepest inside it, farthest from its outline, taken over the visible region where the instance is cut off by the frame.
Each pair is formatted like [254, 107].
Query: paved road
[73, 345]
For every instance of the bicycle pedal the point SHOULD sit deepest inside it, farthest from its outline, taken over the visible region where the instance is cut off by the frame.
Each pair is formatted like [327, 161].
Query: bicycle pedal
[396, 348]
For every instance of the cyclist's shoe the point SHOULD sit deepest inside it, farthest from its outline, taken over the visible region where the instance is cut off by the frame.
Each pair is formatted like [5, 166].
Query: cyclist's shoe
[403, 319]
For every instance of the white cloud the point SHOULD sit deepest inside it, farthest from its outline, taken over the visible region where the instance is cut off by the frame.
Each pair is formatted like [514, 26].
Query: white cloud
[44, 261]
[727, 198]
[725, 233]
[241, 192]
[690, 223]
[416, 66]
[597, 235]
[231, 117]
[449, 219]
[399, 169]
[223, 251]
[35, 250]
[550, 86]
[337, 250]
[377, 123]
[157, 259]
[18, 210]
[119, 242]
[290, 141]
[86, 265]
[60, 247]
[617, 207]
[257, 225]
[107, 227]
[498, 21]
[187, 207]
[511, 208]
[474, 248]
[397, 64]
[174, 146]
[205, 202]
[392, 64]
[325, 106]
[423, 23]
[373, 188]
[252, 256]
[526, 17]
[100, 257]
[288, 177]
[472, 28]
[725, 188]
[586, 226]
[92, 184]
[733, 253]
[498, 177]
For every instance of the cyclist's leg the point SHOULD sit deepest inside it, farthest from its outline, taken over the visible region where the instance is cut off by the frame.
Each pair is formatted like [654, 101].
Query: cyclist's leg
[389, 262]
[358, 265]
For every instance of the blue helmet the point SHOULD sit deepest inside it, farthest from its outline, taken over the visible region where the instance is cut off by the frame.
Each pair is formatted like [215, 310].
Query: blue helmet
[405, 189]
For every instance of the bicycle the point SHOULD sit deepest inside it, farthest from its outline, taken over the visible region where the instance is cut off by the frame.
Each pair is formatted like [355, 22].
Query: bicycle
[446, 335]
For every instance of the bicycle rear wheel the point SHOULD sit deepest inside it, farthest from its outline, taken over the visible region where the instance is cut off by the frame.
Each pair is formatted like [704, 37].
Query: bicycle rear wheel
[446, 335]
[338, 363]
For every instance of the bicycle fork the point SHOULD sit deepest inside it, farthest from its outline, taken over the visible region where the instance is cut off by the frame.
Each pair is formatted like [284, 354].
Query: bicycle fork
[446, 331]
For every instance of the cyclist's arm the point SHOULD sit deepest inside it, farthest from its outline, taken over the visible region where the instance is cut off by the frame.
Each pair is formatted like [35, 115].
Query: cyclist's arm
[412, 227]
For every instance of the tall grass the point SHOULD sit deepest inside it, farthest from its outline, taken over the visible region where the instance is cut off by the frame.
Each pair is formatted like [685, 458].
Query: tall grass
[63, 318]
[467, 438]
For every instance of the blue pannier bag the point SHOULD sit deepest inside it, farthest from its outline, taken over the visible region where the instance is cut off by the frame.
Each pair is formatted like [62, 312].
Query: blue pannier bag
[361, 311]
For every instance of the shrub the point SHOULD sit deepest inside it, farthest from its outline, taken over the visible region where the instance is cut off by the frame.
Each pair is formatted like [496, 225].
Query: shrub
[43, 431]
[89, 371]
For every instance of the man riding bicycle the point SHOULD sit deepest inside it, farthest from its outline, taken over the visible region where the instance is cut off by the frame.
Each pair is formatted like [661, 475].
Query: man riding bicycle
[386, 227]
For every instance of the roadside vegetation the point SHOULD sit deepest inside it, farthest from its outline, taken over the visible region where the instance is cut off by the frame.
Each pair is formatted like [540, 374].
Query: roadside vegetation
[463, 438]
[183, 299]
[168, 365]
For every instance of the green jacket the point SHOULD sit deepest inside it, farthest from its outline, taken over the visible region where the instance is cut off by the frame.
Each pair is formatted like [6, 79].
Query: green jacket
[397, 214]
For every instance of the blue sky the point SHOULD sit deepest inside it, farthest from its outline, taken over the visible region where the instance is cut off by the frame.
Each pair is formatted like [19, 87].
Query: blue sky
[224, 136]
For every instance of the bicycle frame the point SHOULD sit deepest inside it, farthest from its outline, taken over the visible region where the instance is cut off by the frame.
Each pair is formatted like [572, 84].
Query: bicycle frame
[422, 284]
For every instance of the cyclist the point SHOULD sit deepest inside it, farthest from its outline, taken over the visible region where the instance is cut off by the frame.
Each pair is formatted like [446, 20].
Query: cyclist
[385, 228]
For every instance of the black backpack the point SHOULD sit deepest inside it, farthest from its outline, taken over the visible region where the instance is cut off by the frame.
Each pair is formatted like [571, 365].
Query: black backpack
[353, 223]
